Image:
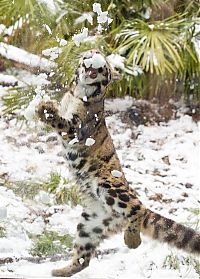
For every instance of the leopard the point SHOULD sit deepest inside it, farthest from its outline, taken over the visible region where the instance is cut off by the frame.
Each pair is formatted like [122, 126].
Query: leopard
[110, 204]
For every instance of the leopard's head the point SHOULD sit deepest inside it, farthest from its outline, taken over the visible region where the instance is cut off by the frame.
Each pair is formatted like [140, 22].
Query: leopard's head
[93, 70]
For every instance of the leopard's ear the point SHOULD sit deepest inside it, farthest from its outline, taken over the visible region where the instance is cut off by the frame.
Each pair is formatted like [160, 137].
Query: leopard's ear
[116, 75]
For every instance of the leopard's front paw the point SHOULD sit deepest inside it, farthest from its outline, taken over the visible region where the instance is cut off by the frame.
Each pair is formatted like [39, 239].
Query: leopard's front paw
[46, 111]
[132, 239]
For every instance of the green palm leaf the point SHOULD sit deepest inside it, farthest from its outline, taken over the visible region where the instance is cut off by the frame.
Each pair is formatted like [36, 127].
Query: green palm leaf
[156, 47]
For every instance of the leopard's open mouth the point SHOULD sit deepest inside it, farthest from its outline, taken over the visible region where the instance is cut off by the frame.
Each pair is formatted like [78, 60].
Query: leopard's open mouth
[92, 72]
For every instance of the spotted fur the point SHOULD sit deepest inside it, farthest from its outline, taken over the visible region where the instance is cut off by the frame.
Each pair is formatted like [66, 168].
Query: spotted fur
[111, 205]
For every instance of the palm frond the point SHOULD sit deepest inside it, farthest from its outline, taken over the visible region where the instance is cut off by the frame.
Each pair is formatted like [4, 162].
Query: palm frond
[157, 47]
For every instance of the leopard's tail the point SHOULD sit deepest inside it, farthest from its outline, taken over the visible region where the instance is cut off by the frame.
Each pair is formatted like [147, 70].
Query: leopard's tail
[166, 230]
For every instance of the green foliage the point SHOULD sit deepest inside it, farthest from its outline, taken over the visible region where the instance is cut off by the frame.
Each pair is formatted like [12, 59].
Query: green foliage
[164, 48]
[62, 189]
[50, 243]
[17, 98]
[158, 47]
[25, 189]
[195, 212]
[172, 261]
[2, 232]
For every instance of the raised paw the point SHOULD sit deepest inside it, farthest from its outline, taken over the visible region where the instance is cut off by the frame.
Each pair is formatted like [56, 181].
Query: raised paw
[46, 111]
[131, 238]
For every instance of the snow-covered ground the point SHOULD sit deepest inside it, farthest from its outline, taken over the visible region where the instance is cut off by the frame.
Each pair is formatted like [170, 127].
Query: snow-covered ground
[160, 162]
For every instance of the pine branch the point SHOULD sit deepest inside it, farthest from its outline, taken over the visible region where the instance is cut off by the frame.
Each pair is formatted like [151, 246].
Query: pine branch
[8, 80]
[26, 60]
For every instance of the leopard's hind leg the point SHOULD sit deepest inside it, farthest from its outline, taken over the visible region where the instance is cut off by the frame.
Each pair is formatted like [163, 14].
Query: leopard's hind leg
[90, 232]
[132, 233]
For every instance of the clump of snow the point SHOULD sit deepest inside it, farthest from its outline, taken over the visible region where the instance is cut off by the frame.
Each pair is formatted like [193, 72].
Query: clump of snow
[48, 29]
[78, 38]
[73, 141]
[29, 112]
[85, 98]
[102, 16]
[151, 26]
[63, 42]
[8, 79]
[52, 52]
[116, 173]
[97, 8]
[96, 61]
[24, 57]
[116, 61]
[134, 71]
[2, 28]
[9, 30]
[81, 261]
[89, 141]
[83, 17]
[43, 197]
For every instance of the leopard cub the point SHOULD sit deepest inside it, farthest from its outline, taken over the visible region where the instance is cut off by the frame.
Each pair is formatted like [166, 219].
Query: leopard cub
[110, 204]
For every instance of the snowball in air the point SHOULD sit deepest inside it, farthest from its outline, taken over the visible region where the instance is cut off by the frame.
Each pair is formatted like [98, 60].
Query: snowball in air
[85, 98]
[81, 261]
[116, 173]
[89, 141]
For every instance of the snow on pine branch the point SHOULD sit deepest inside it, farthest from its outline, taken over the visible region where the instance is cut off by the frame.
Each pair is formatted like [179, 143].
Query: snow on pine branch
[102, 18]
[8, 80]
[22, 56]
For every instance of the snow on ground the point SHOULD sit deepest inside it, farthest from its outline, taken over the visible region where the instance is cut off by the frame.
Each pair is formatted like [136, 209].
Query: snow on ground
[161, 163]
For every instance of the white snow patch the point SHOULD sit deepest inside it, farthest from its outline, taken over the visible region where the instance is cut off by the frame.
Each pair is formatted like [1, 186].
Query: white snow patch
[83, 17]
[48, 29]
[102, 16]
[53, 52]
[8, 79]
[89, 142]
[29, 112]
[63, 42]
[96, 61]
[85, 98]
[79, 38]
[116, 173]
[43, 197]
[73, 141]
[24, 57]
[116, 61]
